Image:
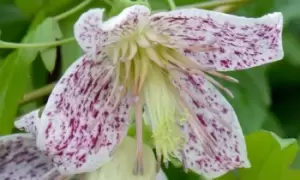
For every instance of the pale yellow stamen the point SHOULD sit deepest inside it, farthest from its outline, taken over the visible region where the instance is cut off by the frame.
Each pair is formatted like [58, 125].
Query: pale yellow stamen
[162, 112]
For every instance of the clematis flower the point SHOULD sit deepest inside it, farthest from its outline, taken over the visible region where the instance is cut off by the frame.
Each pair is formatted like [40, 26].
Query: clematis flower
[162, 67]
[21, 159]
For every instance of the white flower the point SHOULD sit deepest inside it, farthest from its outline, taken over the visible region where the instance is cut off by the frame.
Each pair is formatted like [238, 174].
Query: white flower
[160, 66]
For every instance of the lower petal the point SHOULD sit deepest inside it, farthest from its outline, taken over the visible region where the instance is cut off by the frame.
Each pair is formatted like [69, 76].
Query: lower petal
[20, 159]
[222, 148]
[28, 122]
[83, 121]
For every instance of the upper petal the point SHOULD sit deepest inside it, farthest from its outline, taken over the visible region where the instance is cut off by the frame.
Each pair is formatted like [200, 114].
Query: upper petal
[92, 33]
[20, 159]
[28, 122]
[87, 30]
[80, 126]
[226, 42]
[222, 148]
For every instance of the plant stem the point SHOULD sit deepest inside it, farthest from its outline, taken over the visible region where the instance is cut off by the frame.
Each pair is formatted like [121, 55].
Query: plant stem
[10, 45]
[172, 4]
[73, 10]
[36, 94]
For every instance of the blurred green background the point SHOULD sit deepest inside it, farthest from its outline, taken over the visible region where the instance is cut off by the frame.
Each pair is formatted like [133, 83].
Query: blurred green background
[267, 97]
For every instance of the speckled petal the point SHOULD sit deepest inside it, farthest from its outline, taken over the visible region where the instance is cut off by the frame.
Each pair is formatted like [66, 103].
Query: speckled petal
[80, 126]
[224, 147]
[221, 41]
[20, 159]
[87, 30]
[92, 33]
[129, 21]
[28, 122]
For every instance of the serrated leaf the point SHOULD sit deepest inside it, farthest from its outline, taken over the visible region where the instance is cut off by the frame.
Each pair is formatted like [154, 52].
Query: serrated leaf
[272, 160]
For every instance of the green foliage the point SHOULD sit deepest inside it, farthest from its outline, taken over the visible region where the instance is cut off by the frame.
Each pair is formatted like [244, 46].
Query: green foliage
[251, 98]
[14, 73]
[48, 31]
[15, 69]
[271, 158]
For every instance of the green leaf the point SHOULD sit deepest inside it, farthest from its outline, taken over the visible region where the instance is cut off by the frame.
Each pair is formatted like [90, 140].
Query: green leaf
[272, 160]
[291, 48]
[291, 175]
[14, 71]
[289, 9]
[48, 31]
[29, 7]
[13, 24]
[71, 51]
[257, 8]
[13, 78]
[159, 4]
[272, 124]
[251, 98]
[49, 57]
[56, 7]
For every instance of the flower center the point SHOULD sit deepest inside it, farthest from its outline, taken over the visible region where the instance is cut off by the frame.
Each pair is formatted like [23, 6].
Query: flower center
[143, 62]
[142, 65]
[134, 55]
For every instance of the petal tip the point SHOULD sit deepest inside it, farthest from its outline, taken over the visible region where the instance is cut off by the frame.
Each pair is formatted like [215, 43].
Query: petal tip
[87, 26]
[28, 122]
[277, 19]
